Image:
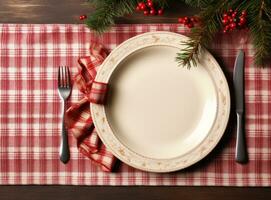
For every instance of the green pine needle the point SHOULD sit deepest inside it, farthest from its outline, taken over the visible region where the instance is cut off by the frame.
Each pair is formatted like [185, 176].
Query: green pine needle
[106, 11]
[202, 35]
[259, 23]
[260, 30]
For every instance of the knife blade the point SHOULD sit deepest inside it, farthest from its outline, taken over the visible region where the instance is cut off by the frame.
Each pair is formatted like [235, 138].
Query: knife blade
[238, 81]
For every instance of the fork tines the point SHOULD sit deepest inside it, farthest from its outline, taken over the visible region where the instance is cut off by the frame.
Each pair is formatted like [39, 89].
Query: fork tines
[63, 77]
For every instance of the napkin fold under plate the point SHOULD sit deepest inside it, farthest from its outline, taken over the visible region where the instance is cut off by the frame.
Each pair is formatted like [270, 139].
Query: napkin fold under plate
[78, 117]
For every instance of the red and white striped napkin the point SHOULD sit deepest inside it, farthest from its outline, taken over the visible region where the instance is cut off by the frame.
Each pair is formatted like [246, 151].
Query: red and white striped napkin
[78, 117]
[30, 116]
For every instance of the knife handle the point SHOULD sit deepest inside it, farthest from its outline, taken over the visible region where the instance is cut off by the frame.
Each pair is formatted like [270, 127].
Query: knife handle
[241, 155]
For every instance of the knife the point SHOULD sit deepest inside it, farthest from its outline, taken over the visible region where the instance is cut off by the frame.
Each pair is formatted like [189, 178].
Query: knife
[238, 81]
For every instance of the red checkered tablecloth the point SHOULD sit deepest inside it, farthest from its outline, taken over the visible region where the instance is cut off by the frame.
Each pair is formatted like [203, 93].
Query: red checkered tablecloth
[31, 117]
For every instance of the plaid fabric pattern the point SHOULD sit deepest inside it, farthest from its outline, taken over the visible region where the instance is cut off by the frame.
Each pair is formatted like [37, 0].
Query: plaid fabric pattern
[30, 116]
[78, 116]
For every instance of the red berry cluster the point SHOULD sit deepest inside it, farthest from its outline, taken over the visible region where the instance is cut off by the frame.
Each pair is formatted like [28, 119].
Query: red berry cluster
[148, 8]
[82, 17]
[189, 22]
[231, 22]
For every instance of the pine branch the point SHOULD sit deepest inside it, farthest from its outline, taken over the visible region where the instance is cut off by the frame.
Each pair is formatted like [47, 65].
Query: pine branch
[161, 3]
[106, 12]
[260, 30]
[259, 23]
[202, 35]
[198, 3]
[189, 55]
[267, 10]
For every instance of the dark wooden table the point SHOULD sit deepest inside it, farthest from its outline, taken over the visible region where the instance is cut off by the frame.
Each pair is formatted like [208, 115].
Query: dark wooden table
[68, 11]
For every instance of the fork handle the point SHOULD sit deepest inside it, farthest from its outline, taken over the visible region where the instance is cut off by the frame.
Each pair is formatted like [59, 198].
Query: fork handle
[64, 147]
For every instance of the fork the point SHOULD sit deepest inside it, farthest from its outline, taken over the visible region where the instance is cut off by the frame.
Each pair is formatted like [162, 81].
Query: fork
[64, 91]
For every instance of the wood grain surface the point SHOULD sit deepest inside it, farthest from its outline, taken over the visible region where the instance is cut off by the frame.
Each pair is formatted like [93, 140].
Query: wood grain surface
[131, 193]
[68, 11]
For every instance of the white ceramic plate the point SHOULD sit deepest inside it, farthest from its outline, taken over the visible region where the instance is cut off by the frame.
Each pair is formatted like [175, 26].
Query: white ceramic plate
[159, 116]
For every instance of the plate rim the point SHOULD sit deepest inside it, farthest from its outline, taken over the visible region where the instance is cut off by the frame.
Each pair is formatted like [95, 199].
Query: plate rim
[122, 152]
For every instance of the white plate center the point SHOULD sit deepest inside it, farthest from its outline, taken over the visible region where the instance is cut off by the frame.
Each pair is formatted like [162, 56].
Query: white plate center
[158, 109]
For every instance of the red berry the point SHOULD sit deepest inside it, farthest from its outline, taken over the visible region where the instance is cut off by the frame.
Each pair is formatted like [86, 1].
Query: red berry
[149, 0]
[242, 20]
[190, 25]
[153, 12]
[225, 15]
[225, 21]
[82, 17]
[186, 20]
[224, 31]
[161, 11]
[244, 13]
[230, 10]
[138, 8]
[181, 20]
[227, 27]
[140, 3]
[150, 4]
[233, 25]
[146, 12]
[143, 6]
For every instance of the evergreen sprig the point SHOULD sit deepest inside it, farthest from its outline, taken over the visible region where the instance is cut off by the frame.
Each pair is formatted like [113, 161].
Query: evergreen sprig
[259, 23]
[198, 3]
[201, 35]
[106, 11]
[260, 30]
